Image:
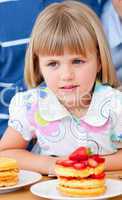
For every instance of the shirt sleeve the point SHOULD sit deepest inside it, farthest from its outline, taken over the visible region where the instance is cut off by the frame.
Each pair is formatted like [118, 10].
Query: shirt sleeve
[116, 116]
[17, 116]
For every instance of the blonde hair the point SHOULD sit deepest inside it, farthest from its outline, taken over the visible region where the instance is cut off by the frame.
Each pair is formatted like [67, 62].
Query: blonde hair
[68, 25]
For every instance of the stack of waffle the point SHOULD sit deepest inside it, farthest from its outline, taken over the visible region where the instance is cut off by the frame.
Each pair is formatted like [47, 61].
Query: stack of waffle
[9, 172]
[82, 174]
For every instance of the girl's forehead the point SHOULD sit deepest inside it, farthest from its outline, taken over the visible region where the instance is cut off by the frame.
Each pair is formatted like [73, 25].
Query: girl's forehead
[68, 55]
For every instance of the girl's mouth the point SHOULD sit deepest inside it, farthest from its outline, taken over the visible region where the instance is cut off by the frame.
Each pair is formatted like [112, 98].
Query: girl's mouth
[69, 88]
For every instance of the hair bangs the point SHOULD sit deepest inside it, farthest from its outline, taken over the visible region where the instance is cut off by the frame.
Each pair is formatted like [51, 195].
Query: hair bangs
[64, 34]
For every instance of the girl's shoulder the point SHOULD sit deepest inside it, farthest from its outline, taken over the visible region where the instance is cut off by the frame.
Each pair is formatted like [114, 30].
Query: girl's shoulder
[105, 101]
[105, 92]
[29, 97]
[26, 97]
[101, 89]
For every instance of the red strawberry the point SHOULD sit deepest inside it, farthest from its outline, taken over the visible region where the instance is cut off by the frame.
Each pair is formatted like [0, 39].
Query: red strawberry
[81, 153]
[65, 163]
[92, 163]
[97, 158]
[84, 161]
[59, 162]
[80, 166]
[98, 176]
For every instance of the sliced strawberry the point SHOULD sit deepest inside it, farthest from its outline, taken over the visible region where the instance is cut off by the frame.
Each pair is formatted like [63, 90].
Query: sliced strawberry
[81, 153]
[66, 163]
[98, 158]
[92, 162]
[98, 176]
[84, 161]
[59, 162]
[80, 166]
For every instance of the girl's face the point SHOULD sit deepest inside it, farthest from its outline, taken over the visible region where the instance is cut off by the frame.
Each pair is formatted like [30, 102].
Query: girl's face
[71, 77]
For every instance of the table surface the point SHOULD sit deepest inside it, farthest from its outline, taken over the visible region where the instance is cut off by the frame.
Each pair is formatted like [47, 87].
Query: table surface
[25, 193]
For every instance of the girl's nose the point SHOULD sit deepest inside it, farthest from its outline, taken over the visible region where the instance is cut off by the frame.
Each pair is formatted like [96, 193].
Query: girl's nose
[67, 73]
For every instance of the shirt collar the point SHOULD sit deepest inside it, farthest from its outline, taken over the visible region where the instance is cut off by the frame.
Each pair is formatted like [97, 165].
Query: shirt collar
[51, 109]
[112, 25]
[98, 112]
[49, 106]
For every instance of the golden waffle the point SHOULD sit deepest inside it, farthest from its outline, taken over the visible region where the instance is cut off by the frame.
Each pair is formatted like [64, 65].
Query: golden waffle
[70, 171]
[8, 182]
[8, 172]
[82, 183]
[78, 192]
[8, 164]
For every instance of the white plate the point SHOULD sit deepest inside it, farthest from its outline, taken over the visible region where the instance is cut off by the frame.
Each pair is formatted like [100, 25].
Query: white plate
[48, 190]
[25, 178]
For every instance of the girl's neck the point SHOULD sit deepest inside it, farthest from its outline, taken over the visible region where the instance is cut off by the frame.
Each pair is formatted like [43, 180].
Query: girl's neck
[78, 108]
[80, 111]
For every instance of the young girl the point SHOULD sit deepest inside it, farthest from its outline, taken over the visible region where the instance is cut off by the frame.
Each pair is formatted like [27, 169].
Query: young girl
[77, 104]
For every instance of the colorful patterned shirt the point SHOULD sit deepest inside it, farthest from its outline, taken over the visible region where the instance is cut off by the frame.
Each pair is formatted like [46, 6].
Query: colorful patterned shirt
[38, 113]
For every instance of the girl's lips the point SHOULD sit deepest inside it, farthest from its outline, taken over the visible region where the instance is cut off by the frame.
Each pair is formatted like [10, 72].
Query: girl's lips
[69, 88]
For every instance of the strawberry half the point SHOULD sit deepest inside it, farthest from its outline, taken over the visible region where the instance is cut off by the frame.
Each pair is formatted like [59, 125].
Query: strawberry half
[82, 153]
[97, 158]
[80, 166]
[98, 176]
[92, 163]
[65, 163]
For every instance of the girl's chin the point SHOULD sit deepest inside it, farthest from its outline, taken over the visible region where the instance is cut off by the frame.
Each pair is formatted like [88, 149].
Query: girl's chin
[76, 103]
[70, 104]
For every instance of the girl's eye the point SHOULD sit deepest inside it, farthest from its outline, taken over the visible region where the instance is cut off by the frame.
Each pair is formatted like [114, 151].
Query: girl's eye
[78, 61]
[52, 64]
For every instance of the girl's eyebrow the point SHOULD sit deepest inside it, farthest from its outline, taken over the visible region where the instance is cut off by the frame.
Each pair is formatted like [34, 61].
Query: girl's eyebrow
[58, 58]
[52, 60]
[69, 57]
[78, 57]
